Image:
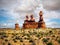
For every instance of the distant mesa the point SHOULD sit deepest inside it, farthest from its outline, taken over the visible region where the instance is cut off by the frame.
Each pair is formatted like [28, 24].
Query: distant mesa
[31, 23]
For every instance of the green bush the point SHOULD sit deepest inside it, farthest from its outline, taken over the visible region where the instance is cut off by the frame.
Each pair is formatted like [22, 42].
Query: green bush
[14, 40]
[34, 33]
[38, 35]
[53, 35]
[2, 37]
[21, 40]
[50, 43]
[51, 32]
[45, 40]
[31, 40]
[28, 35]
[3, 43]
[59, 41]
[6, 40]
[9, 43]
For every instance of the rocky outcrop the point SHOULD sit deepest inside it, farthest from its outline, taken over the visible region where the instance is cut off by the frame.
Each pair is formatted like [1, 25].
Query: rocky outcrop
[17, 26]
[32, 24]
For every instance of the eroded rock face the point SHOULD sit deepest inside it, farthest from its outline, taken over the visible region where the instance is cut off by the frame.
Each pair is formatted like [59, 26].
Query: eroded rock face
[41, 25]
[34, 25]
[30, 25]
[17, 26]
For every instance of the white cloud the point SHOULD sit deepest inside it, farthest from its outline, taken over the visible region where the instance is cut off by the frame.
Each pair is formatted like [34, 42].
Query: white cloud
[51, 14]
[51, 4]
[7, 25]
[53, 24]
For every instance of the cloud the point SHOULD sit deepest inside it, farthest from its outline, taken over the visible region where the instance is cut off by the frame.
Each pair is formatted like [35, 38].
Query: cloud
[53, 24]
[18, 8]
[27, 6]
[7, 3]
[52, 14]
[51, 4]
[7, 25]
[23, 5]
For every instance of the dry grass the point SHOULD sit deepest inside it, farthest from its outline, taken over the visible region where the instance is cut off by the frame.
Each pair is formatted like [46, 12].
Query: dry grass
[30, 37]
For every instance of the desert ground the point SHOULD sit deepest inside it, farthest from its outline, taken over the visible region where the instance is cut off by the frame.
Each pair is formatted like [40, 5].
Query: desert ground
[47, 36]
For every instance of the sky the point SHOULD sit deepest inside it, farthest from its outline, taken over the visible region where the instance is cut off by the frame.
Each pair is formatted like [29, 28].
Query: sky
[14, 11]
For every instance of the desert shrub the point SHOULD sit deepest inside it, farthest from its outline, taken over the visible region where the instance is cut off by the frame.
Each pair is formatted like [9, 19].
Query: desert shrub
[31, 40]
[21, 40]
[9, 43]
[6, 40]
[50, 43]
[50, 32]
[34, 33]
[30, 32]
[33, 43]
[28, 38]
[38, 35]
[45, 40]
[17, 38]
[22, 36]
[48, 38]
[25, 38]
[41, 33]
[28, 35]
[53, 36]
[47, 34]
[2, 37]
[14, 40]
[5, 36]
[14, 34]
[58, 41]
[2, 33]
[57, 38]
[23, 44]
[3, 43]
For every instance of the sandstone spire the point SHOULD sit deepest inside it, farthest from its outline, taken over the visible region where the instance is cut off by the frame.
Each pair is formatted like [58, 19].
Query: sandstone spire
[27, 19]
[32, 18]
[41, 23]
[17, 26]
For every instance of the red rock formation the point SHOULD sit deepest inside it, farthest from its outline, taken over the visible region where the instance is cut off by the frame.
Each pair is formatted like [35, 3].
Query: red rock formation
[27, 19]
[32, 24]
[17, 26]
[41, 23]
[32, 18]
